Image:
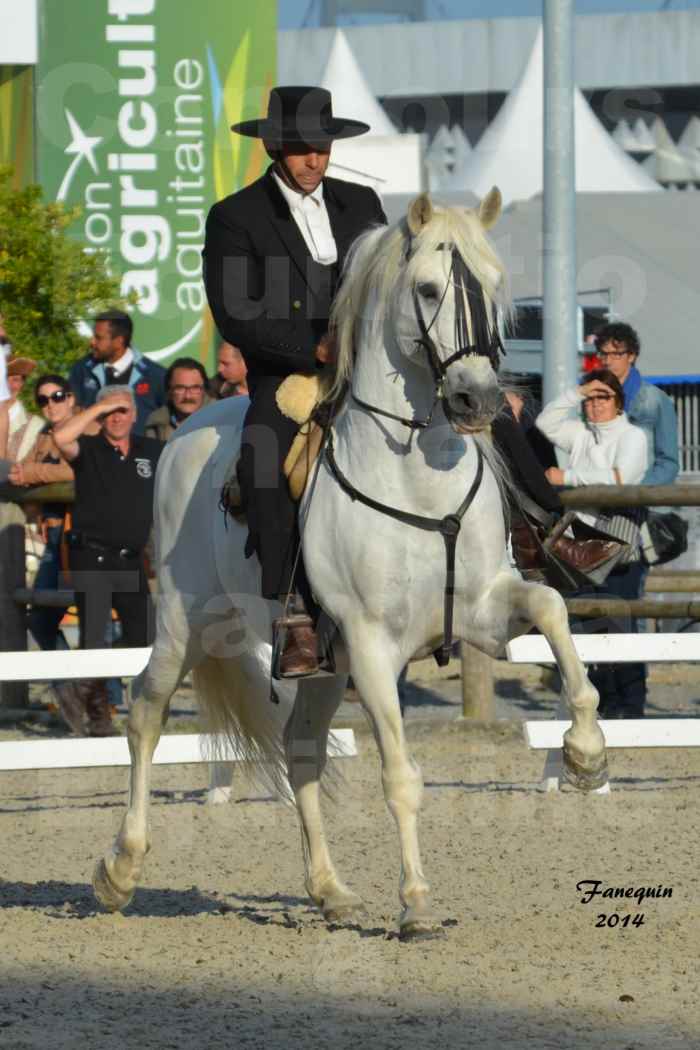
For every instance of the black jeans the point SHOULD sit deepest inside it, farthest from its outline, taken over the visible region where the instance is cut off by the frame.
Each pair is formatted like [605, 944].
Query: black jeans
[622, 687]
[103, 580]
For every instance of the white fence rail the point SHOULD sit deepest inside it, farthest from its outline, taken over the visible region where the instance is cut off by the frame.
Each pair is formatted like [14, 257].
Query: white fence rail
[78, 753]
[610, 648]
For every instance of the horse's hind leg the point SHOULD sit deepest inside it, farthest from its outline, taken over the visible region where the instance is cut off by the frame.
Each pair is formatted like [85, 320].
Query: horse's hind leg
[520, 603]
[306, 742]
[117, 873]
[375, 678]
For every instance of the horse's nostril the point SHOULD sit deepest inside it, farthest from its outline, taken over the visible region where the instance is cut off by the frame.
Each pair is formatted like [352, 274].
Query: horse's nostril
[466, 401]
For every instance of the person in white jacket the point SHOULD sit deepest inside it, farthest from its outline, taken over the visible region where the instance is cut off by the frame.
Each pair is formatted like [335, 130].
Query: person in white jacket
[604, 448]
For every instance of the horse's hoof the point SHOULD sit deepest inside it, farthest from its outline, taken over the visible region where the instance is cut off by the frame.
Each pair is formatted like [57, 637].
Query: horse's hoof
[421, 930]
[344, 913]
[111, 898]
[585, 779]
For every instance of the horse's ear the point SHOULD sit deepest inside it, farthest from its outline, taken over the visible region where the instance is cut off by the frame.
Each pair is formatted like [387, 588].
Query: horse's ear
[420, 212]
[490, 208]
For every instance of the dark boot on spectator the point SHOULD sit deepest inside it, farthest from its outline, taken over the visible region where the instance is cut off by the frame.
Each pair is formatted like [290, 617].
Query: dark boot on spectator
[71, 706]
[98, 708]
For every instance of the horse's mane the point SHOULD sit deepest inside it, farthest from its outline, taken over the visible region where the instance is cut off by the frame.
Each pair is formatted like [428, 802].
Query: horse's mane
[377, 260]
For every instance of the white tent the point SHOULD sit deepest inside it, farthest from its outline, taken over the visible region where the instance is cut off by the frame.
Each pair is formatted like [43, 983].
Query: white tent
[625, 137]
[463, 147]
[352, 96]
[645, 139]
[690, 139]
[509, 153]
[383, 159]
[440, 158]
[667, 164]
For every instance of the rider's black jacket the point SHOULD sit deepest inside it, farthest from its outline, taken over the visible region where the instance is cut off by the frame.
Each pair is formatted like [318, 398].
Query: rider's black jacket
[267, 295]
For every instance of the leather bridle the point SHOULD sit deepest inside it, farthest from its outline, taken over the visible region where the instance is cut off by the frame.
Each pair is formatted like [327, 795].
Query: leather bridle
[487, 341]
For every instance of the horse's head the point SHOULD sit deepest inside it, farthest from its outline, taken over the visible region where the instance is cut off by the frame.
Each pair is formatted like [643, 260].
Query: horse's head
[445, 316]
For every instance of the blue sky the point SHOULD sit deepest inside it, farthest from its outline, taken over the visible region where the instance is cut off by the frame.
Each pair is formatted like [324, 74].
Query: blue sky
[294, 13]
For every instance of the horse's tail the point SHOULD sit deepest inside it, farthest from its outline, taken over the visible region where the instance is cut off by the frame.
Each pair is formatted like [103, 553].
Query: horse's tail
[234, 701]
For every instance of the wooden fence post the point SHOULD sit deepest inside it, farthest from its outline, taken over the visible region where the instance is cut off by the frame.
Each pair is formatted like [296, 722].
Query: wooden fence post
[13, 630]
[477, 683]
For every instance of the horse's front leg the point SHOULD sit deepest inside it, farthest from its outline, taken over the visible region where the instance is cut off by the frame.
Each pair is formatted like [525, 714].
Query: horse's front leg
[306, 744]
[375, 677]
[519, 604]
[117, 873]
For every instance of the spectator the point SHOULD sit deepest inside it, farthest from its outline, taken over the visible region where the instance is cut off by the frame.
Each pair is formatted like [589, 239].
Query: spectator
[230, 379]
[23, 427]
[112, 517]
[113, 361]
[185, 385]
[5, 397]
[43, 465]
[647, 406]
[604, 449]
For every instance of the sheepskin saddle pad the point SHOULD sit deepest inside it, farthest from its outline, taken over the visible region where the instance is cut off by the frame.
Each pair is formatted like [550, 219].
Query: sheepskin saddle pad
[297, 397]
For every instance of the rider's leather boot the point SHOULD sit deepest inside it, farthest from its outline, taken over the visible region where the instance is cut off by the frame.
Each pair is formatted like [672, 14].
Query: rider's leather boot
[299, 656]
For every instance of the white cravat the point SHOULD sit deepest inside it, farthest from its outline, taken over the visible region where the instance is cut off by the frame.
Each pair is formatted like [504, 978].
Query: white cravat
[310, 214]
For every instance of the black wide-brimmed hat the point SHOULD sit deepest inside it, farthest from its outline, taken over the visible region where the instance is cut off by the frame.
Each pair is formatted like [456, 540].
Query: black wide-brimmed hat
[300, 116]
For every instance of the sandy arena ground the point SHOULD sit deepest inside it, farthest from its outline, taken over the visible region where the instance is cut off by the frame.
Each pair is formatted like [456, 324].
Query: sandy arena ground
[220, 948]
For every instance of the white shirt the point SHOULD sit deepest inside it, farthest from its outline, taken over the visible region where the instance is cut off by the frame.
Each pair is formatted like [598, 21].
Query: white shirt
[596, 450]
[310, 214]
[123, 363]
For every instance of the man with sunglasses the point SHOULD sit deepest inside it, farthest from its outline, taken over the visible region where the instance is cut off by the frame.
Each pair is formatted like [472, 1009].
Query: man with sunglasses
[112, 517]
[618, 346]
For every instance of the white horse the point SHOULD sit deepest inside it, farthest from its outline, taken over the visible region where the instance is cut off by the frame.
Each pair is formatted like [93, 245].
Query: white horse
[422, 383]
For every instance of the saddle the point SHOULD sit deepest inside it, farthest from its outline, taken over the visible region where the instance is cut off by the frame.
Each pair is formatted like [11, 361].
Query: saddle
[298, 397]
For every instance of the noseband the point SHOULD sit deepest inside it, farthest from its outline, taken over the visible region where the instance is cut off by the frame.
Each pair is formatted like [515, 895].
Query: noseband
[487, 341]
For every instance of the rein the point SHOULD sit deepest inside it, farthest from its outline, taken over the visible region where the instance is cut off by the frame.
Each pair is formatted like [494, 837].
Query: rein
[487, 342]
[449, 527]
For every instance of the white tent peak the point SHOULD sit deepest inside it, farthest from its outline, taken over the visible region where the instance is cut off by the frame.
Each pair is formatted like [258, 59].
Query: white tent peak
[463, 147]
[509, 153]
[442, 139]
[644, 137]
[690, 139]
[661, 135]
[625, 137]
[352, 96]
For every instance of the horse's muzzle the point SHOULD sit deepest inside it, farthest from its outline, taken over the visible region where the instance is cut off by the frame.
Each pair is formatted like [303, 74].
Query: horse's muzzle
[473, 409]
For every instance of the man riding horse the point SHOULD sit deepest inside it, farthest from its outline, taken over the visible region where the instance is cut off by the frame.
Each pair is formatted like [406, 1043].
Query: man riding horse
[272, 260]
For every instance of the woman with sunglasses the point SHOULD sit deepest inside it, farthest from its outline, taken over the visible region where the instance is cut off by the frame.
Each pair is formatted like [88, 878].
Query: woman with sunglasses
[43, 465]
[604, 448]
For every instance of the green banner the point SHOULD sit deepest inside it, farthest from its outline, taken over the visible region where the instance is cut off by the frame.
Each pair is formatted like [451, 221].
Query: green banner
[16, 124]
[135, 99]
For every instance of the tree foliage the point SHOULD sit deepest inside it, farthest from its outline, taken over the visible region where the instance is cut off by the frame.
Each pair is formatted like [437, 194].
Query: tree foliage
[48, 282]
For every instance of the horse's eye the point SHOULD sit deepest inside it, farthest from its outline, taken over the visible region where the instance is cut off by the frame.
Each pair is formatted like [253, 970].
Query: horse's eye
[427, 290]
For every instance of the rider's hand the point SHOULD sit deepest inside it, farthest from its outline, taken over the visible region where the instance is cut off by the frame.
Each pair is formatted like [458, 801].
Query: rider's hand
[327, 349]
[554, 476]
